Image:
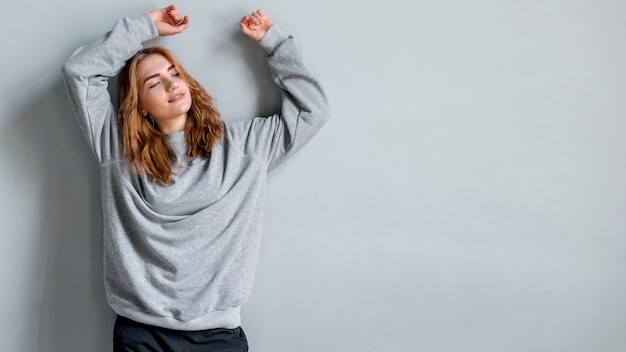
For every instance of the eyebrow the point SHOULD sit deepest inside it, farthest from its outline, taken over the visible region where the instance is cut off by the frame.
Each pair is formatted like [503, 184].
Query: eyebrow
[157, 74]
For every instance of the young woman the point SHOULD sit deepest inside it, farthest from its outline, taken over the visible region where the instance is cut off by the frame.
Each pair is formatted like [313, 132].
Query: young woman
[183, 191]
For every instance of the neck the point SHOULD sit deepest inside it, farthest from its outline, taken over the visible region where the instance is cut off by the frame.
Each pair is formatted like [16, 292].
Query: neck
[170, 125]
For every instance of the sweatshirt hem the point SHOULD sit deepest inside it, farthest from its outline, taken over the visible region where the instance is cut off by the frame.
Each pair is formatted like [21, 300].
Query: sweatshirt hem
[229, 318]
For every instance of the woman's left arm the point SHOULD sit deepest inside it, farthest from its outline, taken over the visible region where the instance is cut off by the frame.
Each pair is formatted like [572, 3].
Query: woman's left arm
[304, 105]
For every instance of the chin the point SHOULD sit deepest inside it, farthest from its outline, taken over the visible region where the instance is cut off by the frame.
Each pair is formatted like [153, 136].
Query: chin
[186, 107]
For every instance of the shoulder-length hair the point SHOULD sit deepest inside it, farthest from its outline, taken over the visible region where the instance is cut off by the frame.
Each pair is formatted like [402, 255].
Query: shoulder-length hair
[146, 148]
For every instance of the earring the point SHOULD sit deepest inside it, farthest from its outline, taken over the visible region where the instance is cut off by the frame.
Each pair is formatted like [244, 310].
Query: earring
[151, 120]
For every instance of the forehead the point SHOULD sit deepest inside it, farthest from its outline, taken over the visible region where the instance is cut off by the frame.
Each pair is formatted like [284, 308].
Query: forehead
[152, 64]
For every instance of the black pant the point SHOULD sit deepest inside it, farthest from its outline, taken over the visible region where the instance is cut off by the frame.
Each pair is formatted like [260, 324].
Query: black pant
[131, 336]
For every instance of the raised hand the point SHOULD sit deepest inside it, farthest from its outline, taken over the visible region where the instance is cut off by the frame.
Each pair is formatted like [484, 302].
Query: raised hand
[255, 25]
[168, 21]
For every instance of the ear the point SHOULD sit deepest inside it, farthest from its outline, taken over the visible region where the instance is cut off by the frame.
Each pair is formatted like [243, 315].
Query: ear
[143, 111]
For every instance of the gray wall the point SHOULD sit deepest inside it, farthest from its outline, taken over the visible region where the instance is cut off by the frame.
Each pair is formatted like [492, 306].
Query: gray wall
[467, 196]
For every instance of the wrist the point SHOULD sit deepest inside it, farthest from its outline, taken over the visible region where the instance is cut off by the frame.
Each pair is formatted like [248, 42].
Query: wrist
[155, 15]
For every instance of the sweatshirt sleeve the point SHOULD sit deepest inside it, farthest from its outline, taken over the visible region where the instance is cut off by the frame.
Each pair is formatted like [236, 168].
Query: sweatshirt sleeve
[304, 107]
[86, 74]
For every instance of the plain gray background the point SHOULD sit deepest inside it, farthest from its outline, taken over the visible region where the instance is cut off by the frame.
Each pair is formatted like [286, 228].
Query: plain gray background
[468, 194]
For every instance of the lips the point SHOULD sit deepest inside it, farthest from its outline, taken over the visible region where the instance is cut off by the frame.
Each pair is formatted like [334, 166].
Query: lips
[176, 97]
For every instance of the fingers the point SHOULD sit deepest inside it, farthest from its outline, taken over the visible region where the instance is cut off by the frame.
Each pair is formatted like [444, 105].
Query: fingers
[183, 22]
[174, 16]
[169, 21]
[256, 18]
[246, 21]
[171, 16]
[255, 25]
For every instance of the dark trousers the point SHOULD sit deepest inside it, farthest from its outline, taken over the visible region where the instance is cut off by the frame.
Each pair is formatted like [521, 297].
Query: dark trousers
[131, 336]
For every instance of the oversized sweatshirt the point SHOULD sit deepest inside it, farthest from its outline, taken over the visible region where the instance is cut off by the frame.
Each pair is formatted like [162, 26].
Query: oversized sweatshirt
[183, 256]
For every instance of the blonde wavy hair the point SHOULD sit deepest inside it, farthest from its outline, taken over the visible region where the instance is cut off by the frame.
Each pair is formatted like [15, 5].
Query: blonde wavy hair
[146, 148]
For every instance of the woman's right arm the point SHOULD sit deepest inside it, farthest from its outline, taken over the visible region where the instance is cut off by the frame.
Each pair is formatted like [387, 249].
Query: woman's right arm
[87, 71]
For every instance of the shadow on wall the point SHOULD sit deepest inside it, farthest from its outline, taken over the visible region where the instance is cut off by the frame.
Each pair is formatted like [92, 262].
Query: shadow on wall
[74, 314]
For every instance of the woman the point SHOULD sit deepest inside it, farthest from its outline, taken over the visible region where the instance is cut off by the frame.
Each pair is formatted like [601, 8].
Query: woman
[182, 191]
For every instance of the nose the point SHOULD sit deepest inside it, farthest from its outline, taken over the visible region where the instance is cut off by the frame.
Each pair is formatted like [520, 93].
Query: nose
[172, 83]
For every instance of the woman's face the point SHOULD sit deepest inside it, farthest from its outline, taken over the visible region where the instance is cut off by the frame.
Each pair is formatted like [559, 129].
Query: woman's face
[163, 94]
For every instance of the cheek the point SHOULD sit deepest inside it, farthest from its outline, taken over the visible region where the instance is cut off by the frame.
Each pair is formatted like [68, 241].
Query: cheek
[187, 95]
[188, 102]
[142, 98]
[146, 99]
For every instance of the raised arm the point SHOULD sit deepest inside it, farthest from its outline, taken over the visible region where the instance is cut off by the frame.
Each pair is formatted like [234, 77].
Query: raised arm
[87, 71]
[304, 106]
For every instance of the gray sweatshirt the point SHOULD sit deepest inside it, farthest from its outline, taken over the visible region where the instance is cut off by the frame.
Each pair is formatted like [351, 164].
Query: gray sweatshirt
[183, 256]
